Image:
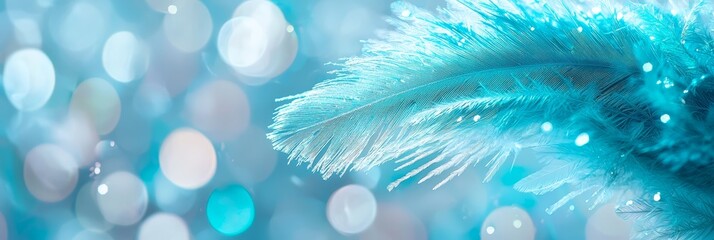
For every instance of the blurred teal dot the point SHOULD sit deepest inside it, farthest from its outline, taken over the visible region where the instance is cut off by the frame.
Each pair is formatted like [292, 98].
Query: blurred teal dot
[230, 210]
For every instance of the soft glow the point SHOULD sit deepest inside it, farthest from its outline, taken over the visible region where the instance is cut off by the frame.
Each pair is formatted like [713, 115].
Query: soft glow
[28, 79]
[508, 223]
[97, 100]
[125, 58]
[164, 226]
[546, 127]
[517, 223]
[230, 210]
[647, 67]
[664, 118]
[255, 42]
[605, 224]
[187, 158]
[190, 28]
[657, 197]
[351, 209]
[476, 118]
[50, 173]
[582, 139]
[406, 13]
[172, 9]
[126, 200]
[220, 109]
[102, 189]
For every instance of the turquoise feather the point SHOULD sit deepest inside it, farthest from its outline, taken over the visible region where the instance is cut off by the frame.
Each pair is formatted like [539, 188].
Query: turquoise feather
[473, 84]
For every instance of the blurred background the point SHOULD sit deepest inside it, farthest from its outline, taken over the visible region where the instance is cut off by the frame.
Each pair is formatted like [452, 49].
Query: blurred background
[146, 119]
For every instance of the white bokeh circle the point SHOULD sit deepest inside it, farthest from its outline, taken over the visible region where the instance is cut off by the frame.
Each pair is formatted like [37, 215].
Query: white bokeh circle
[187, 158]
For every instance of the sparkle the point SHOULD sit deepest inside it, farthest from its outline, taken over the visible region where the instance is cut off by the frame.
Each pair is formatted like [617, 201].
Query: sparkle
[582, 139]
[647, 67]
[532, 28]
[172, 9]
[490, 230]
[546, 127]
[290, 28]
[580, 29]
[517, 223]
[97, 171]
[657, 197]
[477, 117]
[406, 13]
[629, 202]
[596, 10]
[103, 189]
[459, 119]
[664, 118]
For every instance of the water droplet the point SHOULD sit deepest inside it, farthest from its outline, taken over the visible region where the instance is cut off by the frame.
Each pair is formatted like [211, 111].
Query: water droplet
[517, 223]
[582, 139]
[406, 13]
[596, 10]
[103, 189]
[172, 9]
[546, 127]
[647, 67]
[664, 118]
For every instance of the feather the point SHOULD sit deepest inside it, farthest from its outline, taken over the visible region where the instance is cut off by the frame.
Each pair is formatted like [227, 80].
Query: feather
[626, 91]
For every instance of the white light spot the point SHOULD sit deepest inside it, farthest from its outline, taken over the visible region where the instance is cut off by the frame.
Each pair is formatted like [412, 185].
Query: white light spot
[647, 67]
[657, 197]
[582, 139]
[546, 127]
[490, 230]
[532, 28]
[189, 30]
[290, 28]
[29, 79]
[50, 173]
[674, 12]
[652, 38]
[664, 118]
[187, 158]
[172, 9]
[406, 13]
[124, 57]
[572, 208]
[103, 189]
[164, 226]
[477, 117]
[97, 101]
[127, 201]
[517, 223]
[351, 209]
[97, 171]
[580, 29]
[459, 119]
[596, 10]
[629, 202]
